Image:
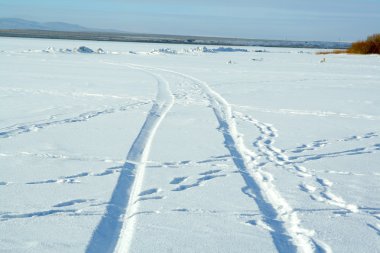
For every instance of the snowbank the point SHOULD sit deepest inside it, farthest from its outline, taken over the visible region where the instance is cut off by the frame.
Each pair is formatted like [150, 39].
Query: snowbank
[159, 51]
[223, 49]
[80, 50]
[197, 50]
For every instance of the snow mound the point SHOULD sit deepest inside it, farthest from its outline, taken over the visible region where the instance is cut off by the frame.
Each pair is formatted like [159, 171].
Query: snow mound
[100, 51]
[164, 51]
[223, 49]
[66, 50]
[50, 50]
[159, 51]
[81, 50]
[84, 50]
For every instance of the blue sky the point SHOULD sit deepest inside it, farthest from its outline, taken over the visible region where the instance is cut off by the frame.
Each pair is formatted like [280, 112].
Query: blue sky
[269, 19]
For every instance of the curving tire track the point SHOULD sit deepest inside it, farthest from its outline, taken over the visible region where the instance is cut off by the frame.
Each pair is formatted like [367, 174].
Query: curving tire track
[115, 230]
[287, 233]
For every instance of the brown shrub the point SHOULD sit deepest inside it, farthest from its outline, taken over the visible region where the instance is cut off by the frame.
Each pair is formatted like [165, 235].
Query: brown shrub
[375, 38]
[369, 46]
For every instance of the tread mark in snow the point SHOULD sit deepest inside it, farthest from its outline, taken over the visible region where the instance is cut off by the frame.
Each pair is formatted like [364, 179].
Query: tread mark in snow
[288, 235]
[115, 230]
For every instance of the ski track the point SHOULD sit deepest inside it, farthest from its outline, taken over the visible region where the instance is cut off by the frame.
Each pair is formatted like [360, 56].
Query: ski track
[285, 227]
[115, 230]
[23, 128]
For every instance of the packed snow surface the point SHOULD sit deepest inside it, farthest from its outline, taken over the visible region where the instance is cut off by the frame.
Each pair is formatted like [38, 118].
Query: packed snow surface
[125, 147]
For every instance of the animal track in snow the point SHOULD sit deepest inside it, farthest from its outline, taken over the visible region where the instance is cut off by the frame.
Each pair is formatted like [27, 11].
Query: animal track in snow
[174, 164]
[200, 181]
[149, 192]
[178, 180]
[76, 157]
[310, 147]
[265, 149]
[209, 172]
[22, 128]
[261, 224]
[149, 198]
[8, 216]
[72, 202]
[319, 144]
[330, 198]
[324, 182]
[307, 188]
[358, 137]
[73, 178]
[350, 152]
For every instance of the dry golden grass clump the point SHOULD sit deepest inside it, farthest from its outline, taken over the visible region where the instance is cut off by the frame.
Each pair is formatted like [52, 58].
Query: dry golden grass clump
[369, 46]
[337, 51]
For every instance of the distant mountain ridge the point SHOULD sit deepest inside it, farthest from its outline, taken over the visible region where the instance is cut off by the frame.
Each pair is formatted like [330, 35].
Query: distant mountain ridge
[22, 24]
[14, 27]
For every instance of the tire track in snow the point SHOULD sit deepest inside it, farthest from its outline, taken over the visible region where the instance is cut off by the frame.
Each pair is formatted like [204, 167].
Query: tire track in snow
[116, 228]
[286, 230]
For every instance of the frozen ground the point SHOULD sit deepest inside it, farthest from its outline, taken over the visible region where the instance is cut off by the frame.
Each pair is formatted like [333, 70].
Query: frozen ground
[171, 148]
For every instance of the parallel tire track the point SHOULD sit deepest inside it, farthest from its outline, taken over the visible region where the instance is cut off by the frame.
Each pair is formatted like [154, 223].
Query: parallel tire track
[287, 233]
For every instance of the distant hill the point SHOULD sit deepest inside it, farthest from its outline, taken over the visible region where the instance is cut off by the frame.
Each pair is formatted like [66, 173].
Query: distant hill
[22, 24]
[14, 27]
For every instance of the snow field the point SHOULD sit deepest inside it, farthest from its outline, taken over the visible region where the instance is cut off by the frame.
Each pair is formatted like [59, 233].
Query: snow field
[163, 152]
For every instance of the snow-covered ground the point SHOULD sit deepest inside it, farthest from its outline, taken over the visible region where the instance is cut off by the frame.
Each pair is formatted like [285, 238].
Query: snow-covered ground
[176, 148]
